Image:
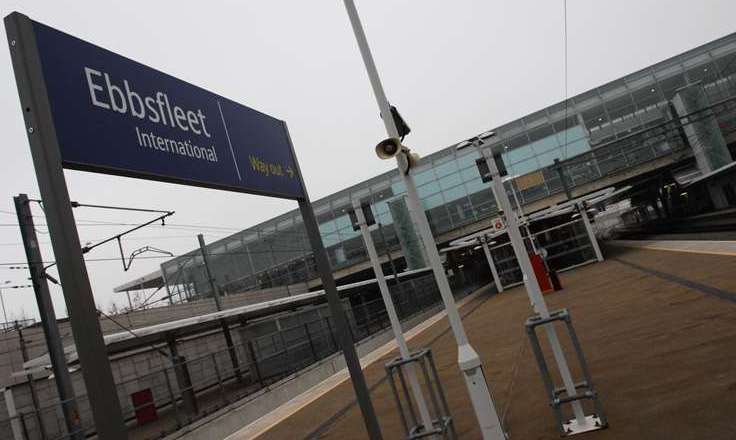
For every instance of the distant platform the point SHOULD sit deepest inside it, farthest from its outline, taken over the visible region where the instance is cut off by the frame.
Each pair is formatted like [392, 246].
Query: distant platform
[715, 247]
[658, 330]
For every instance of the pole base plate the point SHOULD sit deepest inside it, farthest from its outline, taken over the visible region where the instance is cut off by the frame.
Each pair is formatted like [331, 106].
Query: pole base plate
[592, 423]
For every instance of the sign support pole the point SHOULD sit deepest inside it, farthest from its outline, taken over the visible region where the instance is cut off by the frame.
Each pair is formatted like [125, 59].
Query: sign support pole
[468, 359]
[98, 378]
[342, 330]
[62, 377]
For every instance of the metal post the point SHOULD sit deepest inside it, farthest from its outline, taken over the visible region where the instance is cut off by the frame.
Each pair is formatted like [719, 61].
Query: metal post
[531, 238]
[416, 388]
[130, 303]
[311, 343]
[589, 229]
[39, 126]
[531, 284]
[468, 359]
[516, 197]
[210, 278]
[62, 377]
[388, 254]
[563, 180]
[183, 379]
[344, 337]
[31, 384]
[5, 315]
[13, 416]
[344, 334]
[218, 304]
[491, 264]
[174, 405]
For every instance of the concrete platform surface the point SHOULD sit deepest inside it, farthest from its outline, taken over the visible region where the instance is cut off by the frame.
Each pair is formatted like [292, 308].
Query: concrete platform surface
[658, 329]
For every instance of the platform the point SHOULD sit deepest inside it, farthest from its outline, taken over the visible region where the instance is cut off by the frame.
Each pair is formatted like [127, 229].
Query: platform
[658, 329]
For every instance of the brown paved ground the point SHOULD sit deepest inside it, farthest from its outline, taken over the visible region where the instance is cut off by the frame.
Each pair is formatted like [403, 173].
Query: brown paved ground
[661, 355]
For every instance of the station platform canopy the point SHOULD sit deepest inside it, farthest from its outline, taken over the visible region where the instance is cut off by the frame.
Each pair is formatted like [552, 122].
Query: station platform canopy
[145, 337]
[563, 208]
[731, 167]
[154, 280]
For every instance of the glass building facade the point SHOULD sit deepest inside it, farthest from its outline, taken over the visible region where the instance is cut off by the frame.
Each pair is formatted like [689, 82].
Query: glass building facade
[612, 128]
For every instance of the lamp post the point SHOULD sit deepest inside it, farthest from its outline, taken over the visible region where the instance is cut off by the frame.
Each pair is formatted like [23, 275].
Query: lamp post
[468, 359]
[532, 287]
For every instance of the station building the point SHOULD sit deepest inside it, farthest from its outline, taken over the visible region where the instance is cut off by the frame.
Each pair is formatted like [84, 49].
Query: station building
[651, 128]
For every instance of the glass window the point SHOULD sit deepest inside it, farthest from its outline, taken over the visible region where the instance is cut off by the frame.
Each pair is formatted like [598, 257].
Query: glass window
[483, 203]
[469, 174]
[620, 107]
[330, 238]
[524, 167]
[450, 181]
[545, 144]
[461, 211]
[445, 169]
[348, 233]
[548, 158]
[468, 159]
[439, 219]
[577, 147]
[428, 189]
[380, 207]
[646, 97]
[541, 132]
[328, 226]
[432, 201]
[571, 134]
[476, 185]
[454, 194]
[343, 222]
[671, 84]
[423, 177]
[398, 187]
[518, 154]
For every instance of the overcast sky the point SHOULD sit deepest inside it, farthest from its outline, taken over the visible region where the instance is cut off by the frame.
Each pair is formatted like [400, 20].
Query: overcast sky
[454, 68]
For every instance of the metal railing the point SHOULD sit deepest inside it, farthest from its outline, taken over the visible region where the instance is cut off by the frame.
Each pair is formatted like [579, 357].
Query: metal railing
[182, 391]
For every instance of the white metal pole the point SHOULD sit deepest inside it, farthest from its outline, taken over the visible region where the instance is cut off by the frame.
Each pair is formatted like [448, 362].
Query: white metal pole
[531, 284]
[487, 250]
[393, 318]
[468, 359]
[589, 230]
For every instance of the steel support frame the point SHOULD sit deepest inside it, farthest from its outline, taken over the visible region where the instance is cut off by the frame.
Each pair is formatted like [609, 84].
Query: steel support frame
[422, 360]
[559, 395]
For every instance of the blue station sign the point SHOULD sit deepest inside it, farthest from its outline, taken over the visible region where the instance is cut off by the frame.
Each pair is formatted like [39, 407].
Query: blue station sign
[117, 116]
